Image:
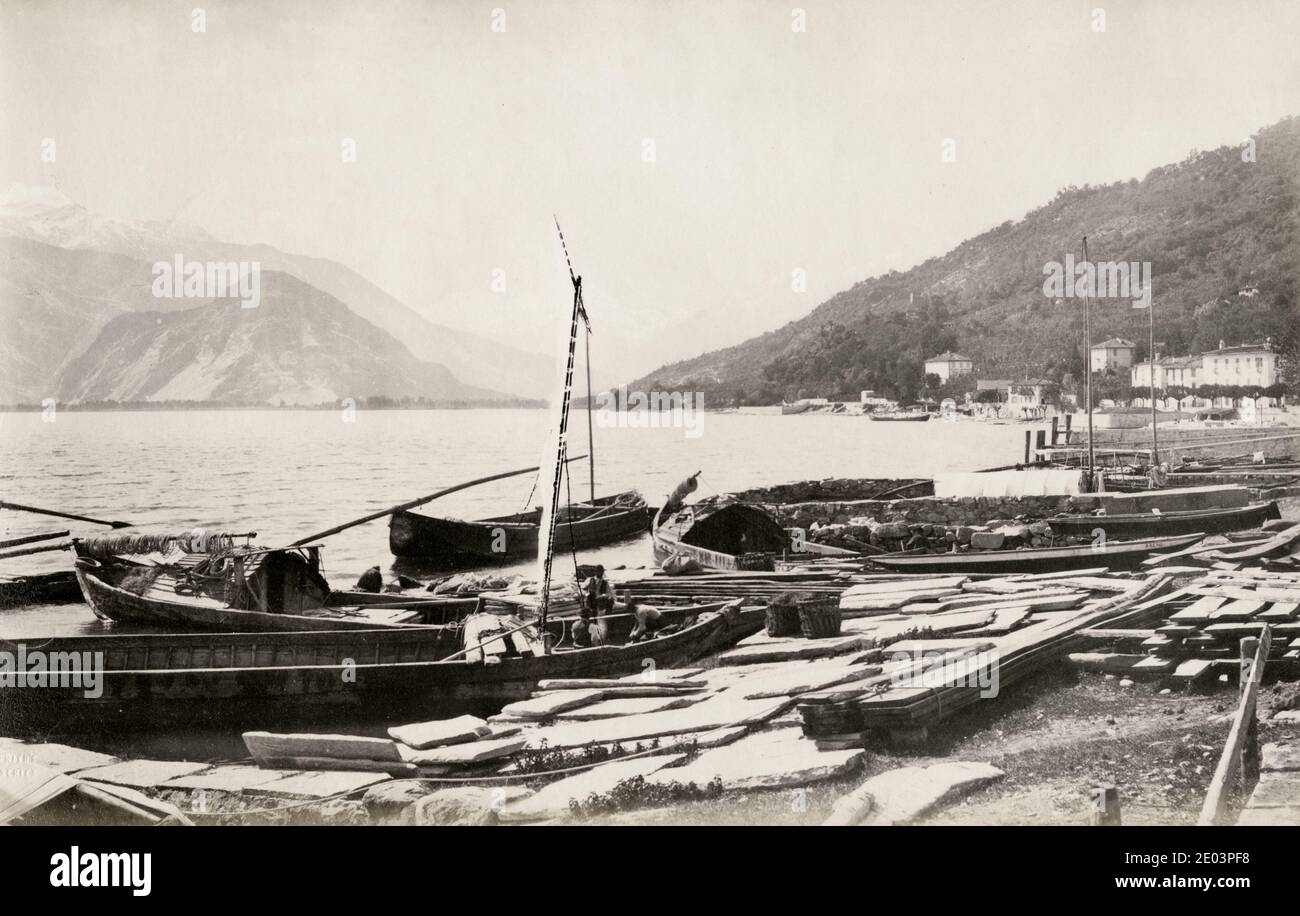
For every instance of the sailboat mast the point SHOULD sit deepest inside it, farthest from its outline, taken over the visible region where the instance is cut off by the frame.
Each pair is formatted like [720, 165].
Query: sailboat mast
[1151, 349]
[546, 542]
[1087, 333]
[591, 439]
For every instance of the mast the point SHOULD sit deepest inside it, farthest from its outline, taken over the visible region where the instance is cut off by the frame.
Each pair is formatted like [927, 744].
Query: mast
[591, 441]
[1087, 333]
[546, 541]
[1151, 349]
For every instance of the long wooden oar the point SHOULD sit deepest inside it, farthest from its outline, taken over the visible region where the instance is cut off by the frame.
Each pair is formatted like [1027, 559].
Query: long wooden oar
[417, 502]
[32, 538]
[77, 518]
[62, 545]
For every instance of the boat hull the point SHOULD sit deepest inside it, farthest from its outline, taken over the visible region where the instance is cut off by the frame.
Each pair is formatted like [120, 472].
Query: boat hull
[240, 680]
[112, 603]
[1142, 525]
[446, 542]
[42, 588]
[1123, 555]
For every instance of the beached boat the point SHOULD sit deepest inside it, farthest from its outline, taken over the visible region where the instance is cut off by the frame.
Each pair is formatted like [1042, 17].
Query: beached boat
[242, 589]
[379, 674]
[444, 542]
[720, 532]
[1148, 524]
[913, 417]
[1111, 554]
[39, 588]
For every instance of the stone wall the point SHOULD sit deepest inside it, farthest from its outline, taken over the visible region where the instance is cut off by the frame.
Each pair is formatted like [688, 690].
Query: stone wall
[837, 489]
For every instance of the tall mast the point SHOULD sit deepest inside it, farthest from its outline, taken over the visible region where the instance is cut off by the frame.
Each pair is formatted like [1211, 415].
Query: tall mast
[1151, 349]
[591, 440]
[581, 308]
[1087, 333]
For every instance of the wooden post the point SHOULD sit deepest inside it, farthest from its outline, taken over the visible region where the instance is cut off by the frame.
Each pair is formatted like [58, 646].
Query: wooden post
[1240, 735]
[1105, 807]
[1041, 440]
[1056, 430]
[1028, 439]
[1250, 746]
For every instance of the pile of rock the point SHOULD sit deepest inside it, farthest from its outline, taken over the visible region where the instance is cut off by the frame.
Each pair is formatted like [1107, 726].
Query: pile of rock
[872, 536]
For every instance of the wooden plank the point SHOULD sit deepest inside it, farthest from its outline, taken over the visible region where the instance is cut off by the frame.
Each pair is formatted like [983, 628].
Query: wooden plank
[1281, 610]
[1199, 610]
[1237, 610]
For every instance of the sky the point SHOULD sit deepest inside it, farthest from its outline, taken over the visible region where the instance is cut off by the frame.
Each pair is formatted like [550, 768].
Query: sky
[697, 154]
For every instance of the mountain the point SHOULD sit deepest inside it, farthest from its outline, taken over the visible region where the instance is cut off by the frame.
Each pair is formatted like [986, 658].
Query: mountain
[1221, 232]
[47, 216]
[299, 345]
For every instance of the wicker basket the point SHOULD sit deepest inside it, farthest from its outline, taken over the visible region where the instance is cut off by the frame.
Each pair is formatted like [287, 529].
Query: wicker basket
[819, 618]
[783, 620]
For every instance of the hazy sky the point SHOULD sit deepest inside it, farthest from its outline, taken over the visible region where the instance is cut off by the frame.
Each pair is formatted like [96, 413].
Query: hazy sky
[774, 149]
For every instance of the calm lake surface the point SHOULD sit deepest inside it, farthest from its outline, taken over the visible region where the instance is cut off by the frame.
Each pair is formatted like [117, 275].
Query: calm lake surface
[286, 474]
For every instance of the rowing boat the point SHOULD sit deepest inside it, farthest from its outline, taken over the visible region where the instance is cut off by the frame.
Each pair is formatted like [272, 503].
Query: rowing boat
[450, 542]
[719, 532]
[1111, 554]
[899, 417]
[243, 590]
[245, 680]
[39, 588]
[1147, 524]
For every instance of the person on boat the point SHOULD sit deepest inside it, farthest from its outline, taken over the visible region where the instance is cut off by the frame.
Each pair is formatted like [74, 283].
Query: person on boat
[597, 600]
[648, 621]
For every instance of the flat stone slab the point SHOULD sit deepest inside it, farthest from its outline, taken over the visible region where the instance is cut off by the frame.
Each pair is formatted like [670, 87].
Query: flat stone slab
[440, 732]
[764, 648]
[1276, 790]
[904, 794]
[459, 755]
[317, 784]
[632, 706]
[61, 757]
[342, 747]
[658, 675]
[1280, 757]
[1269, 817]
[552, 801]
[794, 678]
[235, 778]
[764, 760]
[726, 709]
[547, 705]
[142, 774]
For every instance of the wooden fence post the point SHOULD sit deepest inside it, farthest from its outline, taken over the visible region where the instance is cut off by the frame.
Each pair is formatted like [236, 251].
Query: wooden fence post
[1250, 747]
[1105, 807]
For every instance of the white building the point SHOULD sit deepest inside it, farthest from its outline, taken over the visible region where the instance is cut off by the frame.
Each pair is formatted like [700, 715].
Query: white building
[949, 365]
[1170, 372]
[1115, 353]
[1245, 365]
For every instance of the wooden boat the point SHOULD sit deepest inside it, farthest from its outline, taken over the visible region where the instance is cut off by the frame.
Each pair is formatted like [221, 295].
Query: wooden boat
[1111, 554]
[510, 538]
[916, 417]
[717, 533]
[1146, 524]
[378, 675]
[245, 590]
[39, 588]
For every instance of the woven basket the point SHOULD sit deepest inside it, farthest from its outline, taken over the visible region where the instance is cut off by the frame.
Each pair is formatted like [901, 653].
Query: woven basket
[783, 620]
[819, 618]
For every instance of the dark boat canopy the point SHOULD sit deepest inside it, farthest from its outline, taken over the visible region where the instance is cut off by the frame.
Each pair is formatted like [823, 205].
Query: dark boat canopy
[727, 526]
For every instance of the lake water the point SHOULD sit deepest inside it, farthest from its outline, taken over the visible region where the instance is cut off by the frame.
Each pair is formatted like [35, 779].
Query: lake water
[286, 474]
